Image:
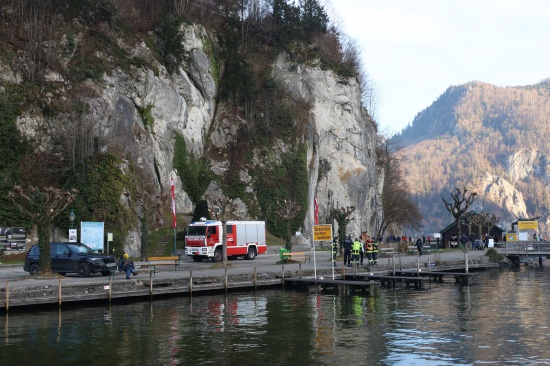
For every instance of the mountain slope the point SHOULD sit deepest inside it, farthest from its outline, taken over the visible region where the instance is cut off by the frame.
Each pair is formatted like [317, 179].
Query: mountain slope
[490, 139]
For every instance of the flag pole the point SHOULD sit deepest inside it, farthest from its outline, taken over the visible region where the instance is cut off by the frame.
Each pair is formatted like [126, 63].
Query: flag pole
[174, 224]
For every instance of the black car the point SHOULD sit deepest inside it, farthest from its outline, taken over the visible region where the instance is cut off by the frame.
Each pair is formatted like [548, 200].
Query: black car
[70, 258]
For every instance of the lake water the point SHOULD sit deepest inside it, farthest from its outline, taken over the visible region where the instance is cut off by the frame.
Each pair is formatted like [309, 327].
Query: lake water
[501, 318]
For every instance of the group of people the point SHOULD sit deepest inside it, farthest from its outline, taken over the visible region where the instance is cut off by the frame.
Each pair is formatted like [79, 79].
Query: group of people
[355, 251]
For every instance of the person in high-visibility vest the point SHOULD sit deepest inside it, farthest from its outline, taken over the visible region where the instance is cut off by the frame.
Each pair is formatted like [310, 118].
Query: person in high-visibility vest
[355, 252]
[368, 251]
[334, 250]
[374, 253]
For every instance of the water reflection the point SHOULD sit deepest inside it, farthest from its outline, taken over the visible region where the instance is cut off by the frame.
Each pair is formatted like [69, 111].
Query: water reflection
[501, 318]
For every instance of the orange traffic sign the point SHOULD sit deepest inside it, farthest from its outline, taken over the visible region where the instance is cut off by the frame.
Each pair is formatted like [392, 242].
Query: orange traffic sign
[322, 232]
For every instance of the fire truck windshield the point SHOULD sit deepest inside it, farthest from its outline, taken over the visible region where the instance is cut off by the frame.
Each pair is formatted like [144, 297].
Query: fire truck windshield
[197, 230]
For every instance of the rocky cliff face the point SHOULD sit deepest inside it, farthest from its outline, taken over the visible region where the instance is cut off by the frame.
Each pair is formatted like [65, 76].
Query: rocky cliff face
[341, 143]
[341, 137]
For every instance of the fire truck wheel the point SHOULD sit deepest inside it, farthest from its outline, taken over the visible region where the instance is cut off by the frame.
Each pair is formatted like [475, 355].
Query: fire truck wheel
[251, 254]
[196, 258]
[217, 256]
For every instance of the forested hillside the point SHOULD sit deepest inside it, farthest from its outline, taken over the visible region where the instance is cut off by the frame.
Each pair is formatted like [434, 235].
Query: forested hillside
[491, 139]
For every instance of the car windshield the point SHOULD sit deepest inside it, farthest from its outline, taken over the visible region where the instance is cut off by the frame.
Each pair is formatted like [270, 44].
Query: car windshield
[80, 248]
[197, 230]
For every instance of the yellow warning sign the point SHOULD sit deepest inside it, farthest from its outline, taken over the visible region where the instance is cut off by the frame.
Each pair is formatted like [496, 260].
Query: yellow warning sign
[322, 232]
[528, 225]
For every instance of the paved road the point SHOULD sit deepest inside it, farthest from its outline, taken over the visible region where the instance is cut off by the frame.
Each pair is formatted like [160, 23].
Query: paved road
[265, 263]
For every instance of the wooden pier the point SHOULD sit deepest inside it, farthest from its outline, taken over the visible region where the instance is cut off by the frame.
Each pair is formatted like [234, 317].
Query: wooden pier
[437, 276]
[389, 280]
[526, 251]
[330, 283]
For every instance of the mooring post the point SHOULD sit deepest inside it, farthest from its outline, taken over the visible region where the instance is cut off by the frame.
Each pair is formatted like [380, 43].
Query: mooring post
[110, 286]
[190, 283]
[466, 261]
[418, 267]
[59, 292]
[7, 296]
[151, 284]
[225, 280]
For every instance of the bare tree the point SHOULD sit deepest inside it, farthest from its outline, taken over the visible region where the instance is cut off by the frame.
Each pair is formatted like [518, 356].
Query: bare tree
[288, 210]
[461, 201]
[343, 218]
[398, 207]
[41, 206]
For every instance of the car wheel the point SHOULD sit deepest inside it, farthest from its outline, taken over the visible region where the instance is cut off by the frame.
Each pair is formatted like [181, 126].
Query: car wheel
[83, 269]
[251, 254]
[33, 268]
[196, 258]
[217, 256]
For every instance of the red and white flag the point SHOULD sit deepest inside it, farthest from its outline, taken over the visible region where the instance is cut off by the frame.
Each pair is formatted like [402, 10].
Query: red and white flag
[316, 211]
[173, 203]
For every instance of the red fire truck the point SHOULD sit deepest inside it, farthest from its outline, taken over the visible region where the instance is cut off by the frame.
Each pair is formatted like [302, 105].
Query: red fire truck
[244, 239]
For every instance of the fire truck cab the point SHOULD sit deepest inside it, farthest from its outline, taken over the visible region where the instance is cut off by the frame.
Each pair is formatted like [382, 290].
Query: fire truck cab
[204, 239]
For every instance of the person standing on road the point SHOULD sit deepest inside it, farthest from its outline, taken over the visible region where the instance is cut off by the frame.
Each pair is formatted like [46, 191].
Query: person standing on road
[368, 252]
[419, 246]
[362, 250]
[347, 251]
[464, 243]
[334, 250]
[374, 253]
[355, 252]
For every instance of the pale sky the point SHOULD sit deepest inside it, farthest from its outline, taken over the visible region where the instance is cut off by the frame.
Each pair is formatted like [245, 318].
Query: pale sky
[413, 50]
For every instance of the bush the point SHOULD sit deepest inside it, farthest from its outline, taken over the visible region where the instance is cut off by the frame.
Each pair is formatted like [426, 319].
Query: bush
[494, 256]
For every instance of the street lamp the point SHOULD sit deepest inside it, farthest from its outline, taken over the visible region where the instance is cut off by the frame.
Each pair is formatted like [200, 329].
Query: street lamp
[72, 216]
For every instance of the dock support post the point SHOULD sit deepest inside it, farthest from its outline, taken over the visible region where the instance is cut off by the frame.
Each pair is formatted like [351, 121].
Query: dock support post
[400, 266]
[255, 283]
[393, 265]
[418, 268]
[540, 261]
[300, 270]
[151, 284]
[225, 279]
[190, 283]
[110, 288]
[59, 293]
[7, 296]
[466, 261]
[283, 274]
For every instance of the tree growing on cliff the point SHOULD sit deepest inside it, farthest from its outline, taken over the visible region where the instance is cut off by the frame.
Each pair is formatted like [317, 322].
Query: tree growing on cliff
[461, 201]
[41, 206]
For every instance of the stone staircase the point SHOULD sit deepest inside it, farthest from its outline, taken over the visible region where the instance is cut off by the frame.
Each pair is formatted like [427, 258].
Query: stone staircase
[161, 247]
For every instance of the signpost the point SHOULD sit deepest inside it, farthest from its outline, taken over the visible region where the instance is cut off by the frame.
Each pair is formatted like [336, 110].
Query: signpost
[322, 233]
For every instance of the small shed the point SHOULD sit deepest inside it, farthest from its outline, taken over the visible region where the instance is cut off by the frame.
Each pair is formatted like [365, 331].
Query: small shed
[449, 235]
